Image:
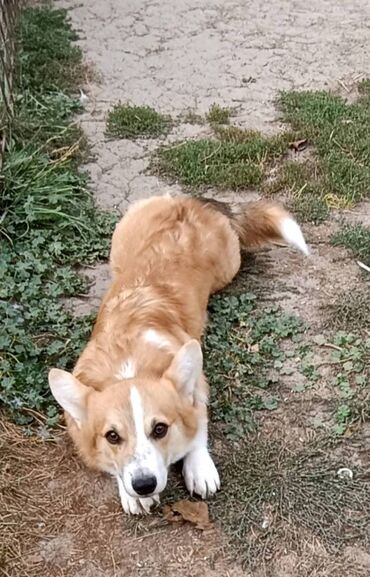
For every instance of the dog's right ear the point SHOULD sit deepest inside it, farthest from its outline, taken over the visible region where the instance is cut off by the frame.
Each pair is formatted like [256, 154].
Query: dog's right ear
[69, 393]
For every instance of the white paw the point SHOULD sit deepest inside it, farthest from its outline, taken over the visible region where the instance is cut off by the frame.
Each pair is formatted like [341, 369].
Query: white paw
[200, 474]
[135, 505]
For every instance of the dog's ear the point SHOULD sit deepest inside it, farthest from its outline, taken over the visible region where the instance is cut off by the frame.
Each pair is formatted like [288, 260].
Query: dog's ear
[186, 368]
[69, 393]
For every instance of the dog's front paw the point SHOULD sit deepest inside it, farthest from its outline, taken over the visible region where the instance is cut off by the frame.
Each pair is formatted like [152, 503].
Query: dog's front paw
[135, 505]
[200, 474]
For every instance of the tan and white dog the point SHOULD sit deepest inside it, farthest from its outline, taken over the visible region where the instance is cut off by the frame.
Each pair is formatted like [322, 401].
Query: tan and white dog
[137, 399]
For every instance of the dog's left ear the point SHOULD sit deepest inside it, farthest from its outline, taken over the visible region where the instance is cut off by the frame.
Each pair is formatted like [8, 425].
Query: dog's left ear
[186, 368]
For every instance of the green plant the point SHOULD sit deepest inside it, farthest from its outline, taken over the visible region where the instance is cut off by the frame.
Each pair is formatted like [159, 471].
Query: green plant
[351, 355]
[340, 133]
[357, 239]
[305, 187]
[48, 60]
[218, 115]
[49, 222]
[126, 121]
[224, 163]
[241, 347]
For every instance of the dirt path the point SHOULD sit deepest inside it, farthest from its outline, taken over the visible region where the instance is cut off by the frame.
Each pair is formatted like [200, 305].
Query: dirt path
[176, 56]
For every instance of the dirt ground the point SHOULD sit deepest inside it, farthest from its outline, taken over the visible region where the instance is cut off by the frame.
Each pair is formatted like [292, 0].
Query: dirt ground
[178, 56]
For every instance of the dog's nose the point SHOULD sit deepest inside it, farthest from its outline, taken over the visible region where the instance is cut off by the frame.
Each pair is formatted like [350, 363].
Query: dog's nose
[144, 485]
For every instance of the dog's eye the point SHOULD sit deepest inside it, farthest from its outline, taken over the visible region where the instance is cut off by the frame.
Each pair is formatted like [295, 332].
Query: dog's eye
[113, 438]
[159, 430]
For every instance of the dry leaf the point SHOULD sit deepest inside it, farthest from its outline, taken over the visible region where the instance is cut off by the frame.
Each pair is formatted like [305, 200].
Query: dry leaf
[298, 145]
[195, 513]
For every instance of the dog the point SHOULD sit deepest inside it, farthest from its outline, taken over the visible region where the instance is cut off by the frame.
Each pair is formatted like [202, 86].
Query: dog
[136, 401]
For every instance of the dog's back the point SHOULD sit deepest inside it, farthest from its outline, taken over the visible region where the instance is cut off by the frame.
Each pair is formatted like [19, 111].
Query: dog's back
[178, 241]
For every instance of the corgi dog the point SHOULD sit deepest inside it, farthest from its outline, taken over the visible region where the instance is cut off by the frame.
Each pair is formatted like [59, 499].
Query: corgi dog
[136, 401]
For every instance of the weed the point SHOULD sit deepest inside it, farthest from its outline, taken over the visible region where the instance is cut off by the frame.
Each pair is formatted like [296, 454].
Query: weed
[357, 239]
[241, 346]
[218, 115]
[340, 133]
[224, 163]
[49, 221]
[352, 355]
[126, 121]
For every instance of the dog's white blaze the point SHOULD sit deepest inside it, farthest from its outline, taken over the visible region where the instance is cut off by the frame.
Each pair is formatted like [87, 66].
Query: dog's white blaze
[292, 234]
[155, 338]
[146, 459]
[127, 370]
[138, 416]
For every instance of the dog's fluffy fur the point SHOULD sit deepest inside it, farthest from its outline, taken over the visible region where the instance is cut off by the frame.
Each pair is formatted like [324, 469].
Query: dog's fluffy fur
[136, 401]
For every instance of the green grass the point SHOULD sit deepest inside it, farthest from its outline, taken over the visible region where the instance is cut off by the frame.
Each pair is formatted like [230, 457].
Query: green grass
[304, 186]
[355, 238]
[48, 60]
[125, 121]
[241, 347]
[44, 120]
[340, 133]
[227, 163]
[49, 222]
[218, 115]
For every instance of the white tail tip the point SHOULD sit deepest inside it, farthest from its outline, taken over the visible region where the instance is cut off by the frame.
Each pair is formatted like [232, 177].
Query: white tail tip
[292, 234]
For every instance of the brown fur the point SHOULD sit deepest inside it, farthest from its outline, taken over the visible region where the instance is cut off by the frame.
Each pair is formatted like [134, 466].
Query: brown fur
[168, 255]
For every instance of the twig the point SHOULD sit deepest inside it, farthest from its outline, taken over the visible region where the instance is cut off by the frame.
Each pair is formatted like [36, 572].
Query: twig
[331, 346]
[363, 266]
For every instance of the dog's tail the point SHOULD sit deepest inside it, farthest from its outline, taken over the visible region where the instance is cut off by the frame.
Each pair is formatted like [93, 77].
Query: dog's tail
[262, 222]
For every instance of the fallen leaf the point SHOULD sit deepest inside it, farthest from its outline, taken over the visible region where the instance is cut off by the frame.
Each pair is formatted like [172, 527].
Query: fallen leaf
[298, 145]
[195, 513]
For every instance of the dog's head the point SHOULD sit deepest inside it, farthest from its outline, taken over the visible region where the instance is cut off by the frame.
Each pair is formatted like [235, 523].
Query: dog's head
[135, 428]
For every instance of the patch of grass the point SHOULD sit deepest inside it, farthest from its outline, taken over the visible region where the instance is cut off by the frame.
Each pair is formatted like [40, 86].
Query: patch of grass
[340, 133]
[218, 115]
[273, 494]
[48, 59]
[305, 188]
[241, 346]
[350, 311]
[49, 222]
[363, 87]
[357, 239]
[226, 163]
[125, 121]
[44, 120]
